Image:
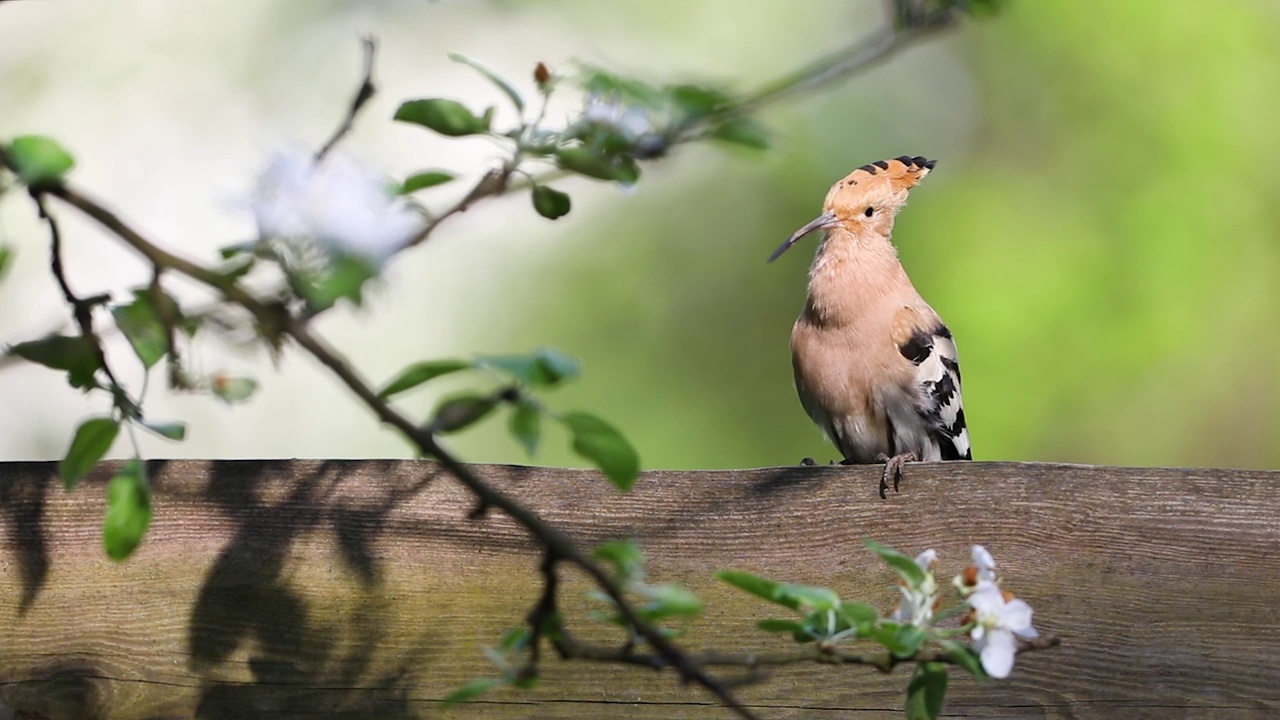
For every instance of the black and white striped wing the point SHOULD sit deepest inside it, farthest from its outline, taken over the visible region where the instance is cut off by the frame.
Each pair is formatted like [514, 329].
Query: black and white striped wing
[938, 373]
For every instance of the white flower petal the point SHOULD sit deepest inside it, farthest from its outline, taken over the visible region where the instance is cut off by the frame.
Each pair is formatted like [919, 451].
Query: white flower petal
[926, 559]
[987, 600]
[997, 653]
[1017, 617]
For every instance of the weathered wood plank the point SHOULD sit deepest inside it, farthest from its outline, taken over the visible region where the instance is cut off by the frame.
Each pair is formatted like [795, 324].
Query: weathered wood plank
[358, 589]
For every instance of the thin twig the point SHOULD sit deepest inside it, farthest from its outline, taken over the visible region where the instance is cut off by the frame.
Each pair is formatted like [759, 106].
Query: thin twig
[273, 318]
[363, 95]
[574, 649]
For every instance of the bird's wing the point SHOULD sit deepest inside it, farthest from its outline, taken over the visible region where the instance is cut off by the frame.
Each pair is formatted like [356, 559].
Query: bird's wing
[933, 351]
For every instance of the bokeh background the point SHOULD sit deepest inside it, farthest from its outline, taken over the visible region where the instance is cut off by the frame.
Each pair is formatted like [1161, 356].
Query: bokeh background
[1102, 232]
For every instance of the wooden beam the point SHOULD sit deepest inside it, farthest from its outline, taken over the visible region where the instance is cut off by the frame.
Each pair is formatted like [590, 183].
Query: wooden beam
[328, 589]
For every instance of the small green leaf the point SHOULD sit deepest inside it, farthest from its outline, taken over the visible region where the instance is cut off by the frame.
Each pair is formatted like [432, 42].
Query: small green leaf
[964, 656]
[419, 373]
[927, 691]
[6, 254]
[424, 180]
[91, 442]
[859, 614]
[128, 510]
[76, 355]
[39, 160]
[343, 277]
[602, 444]
[550, 203]
[461, 412]
[142, 326]
[905, 565]
[503, 85]
[906, 641]
[172, 430]
[447, 117]
[796, 629]
[742, 131]
[669, 600]
[696, 101]
[809, 596]
[513, 639]
[526, 426]
[544, 367]
[758, 586]
[233, 390]
[585, 162]
[470, 690]
[624, 555]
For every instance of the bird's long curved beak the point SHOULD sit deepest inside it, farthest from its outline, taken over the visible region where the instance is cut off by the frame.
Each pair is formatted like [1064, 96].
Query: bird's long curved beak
[822, 222]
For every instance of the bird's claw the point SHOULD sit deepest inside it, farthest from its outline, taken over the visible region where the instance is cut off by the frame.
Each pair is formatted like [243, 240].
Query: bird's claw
[892, 468]
[807, 462]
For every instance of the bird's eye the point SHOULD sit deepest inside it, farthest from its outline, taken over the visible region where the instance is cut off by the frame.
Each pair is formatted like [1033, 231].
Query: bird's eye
[869, 211]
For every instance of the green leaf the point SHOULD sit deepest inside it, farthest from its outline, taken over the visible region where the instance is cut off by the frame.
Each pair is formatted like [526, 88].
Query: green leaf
[550, 203]
[905, 565]
[526, 426]
[625, 556]
[141, 324]
[544, 367]
[76, 355]
[92, 440]
[668, 600]
[927, 691]
[503, 85]
[229, 251]
[461, 412]
[424, 180]
[796, 629]
[696, 101]
[602, 444]
[419, 373]
[343, 277]
[447, 117]
[6, 254]
[513, 639]
[742, 131]
[906, 641]
[809, 596]
[758, 586]
[470, 690]
[128, 510]
[39, 160]
[619, 168]
[859, 614]
[233, 390]
[964, 656]
[172, 430]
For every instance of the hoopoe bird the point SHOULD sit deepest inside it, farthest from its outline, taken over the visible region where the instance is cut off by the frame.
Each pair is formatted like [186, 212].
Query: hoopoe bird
[875, 367]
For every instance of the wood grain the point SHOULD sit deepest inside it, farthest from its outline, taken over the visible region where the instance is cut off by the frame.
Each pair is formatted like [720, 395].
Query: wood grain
[353, 589]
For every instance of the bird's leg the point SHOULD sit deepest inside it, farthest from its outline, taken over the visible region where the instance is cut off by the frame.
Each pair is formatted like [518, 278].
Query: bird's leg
[893, 468]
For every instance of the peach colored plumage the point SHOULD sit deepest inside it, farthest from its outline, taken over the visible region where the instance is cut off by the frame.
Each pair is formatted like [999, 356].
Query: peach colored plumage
[875, 367]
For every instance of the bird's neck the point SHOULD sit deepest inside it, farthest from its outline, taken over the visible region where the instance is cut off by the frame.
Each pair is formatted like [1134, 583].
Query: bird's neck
[851, 274]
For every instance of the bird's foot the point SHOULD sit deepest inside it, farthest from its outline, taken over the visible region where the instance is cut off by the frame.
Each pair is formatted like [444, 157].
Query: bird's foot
[892, 468]
[807, 462]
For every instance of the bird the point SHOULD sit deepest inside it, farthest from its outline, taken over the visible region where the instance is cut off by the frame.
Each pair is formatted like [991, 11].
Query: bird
[875, 367]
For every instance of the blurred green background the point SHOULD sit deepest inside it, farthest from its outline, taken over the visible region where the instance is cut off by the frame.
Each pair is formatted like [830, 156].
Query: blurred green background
[1101, 232]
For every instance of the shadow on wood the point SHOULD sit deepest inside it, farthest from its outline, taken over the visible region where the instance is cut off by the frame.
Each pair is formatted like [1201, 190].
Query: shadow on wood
[353, 589]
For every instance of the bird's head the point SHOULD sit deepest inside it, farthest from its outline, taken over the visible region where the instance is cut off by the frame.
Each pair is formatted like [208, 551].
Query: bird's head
[867, 200]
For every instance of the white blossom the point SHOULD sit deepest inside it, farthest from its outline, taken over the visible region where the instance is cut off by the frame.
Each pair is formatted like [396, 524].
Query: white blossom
[336, 202]
[916, 606]
[985, 564]
[996, 622]
[632, 121]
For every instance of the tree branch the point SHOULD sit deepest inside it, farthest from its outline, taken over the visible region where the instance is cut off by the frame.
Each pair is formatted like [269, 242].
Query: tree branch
[363, 95]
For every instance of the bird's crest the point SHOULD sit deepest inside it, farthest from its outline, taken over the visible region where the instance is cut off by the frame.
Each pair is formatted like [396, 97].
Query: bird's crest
[900, 173]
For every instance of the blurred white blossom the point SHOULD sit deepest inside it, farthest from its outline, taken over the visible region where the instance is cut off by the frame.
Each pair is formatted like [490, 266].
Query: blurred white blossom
[997, 620]
[985, 564]
[916, 606]
[336, 202]
[632, 121]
